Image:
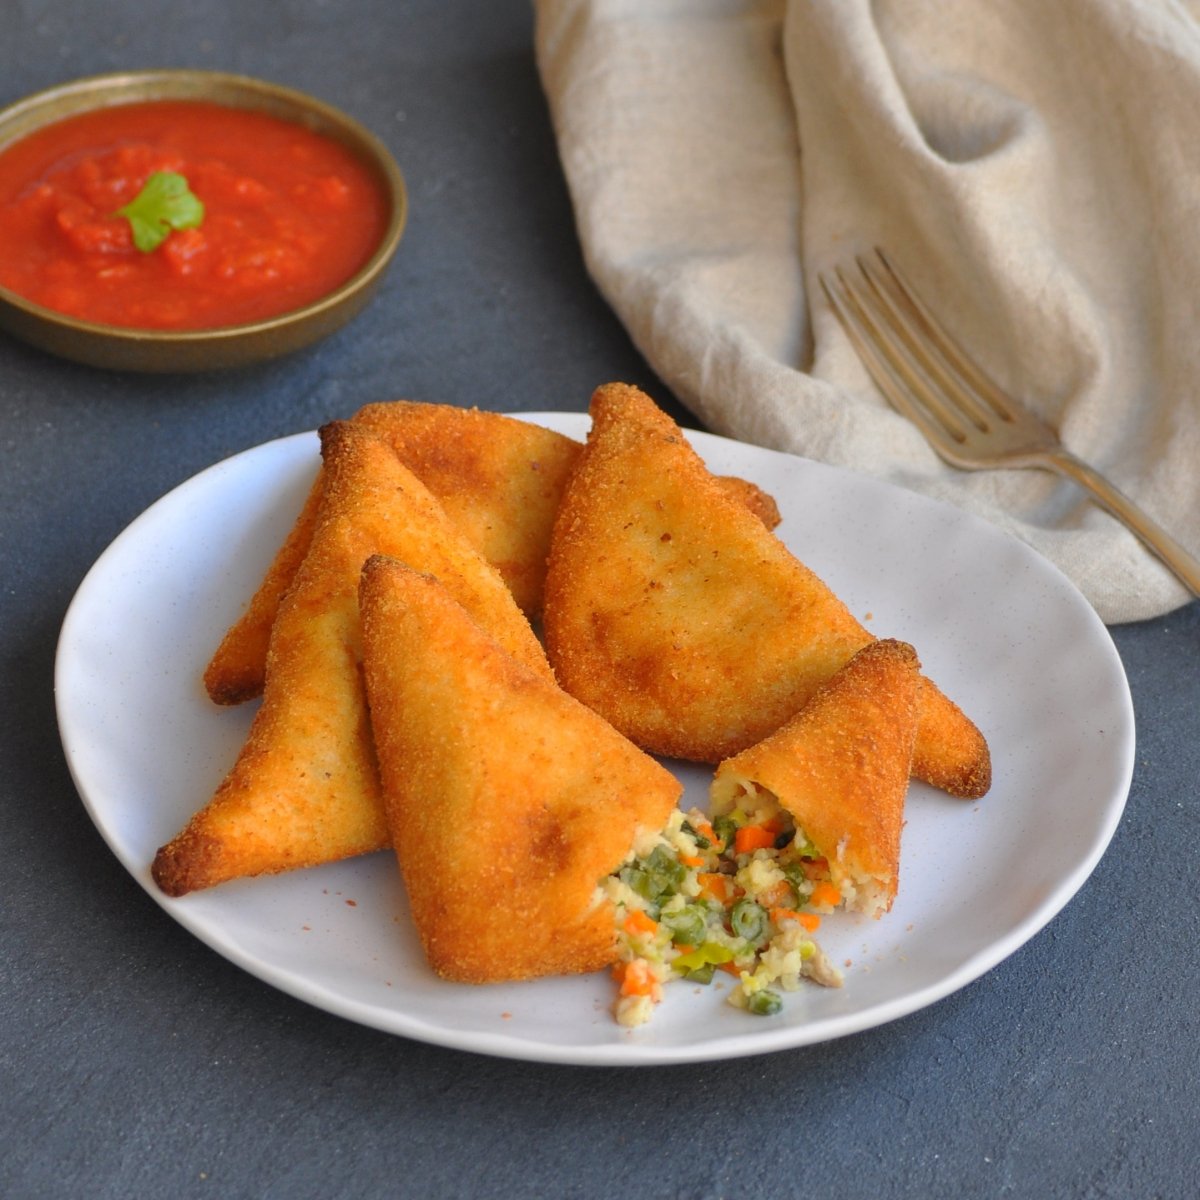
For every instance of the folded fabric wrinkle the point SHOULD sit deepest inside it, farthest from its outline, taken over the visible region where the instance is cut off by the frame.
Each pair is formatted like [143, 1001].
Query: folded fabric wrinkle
[970, 422]
[1031, 161]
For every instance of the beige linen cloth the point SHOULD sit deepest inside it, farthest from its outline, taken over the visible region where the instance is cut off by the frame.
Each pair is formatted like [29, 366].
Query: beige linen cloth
[1033, 165]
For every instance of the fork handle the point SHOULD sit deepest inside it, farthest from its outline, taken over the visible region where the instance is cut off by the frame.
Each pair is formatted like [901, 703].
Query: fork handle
[1185, 566]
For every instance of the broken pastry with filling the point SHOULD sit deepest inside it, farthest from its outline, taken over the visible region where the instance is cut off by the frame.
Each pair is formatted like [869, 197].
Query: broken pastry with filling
[833, 780]
[506, 799]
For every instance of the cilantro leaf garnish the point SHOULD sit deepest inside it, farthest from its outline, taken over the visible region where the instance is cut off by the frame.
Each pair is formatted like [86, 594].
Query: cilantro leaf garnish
[165, 202]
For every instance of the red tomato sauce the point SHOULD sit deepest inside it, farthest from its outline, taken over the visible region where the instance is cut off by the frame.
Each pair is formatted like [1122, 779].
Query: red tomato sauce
[289, 216]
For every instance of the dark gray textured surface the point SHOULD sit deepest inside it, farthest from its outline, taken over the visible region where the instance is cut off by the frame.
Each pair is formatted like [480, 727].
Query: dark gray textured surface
[134, 1061]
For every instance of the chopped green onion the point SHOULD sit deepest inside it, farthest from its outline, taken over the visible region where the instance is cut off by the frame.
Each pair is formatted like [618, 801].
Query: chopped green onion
[801, 884]
[748, 920]
[665, 870]
[724, 827]
[637, 879]
[656, 877]
[688, 925]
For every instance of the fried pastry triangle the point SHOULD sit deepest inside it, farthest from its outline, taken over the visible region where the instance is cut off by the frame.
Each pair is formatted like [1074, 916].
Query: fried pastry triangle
[684, 622]
[841, 766]
[508, 801]
[499, 479]
[238, 667]
[304, 789]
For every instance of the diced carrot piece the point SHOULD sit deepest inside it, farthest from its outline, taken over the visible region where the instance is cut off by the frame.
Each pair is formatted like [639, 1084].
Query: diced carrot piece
[752, 837]
[715, 886]
[825, 893]
[637, 921]
[705, 830]
[810, 921]
[638, 981]
[691, 860]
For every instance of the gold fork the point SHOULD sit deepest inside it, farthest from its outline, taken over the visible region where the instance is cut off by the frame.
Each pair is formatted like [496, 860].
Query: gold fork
[963, 414]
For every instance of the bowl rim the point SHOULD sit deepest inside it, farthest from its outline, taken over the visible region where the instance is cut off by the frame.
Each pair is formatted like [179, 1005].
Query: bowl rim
[194, 83]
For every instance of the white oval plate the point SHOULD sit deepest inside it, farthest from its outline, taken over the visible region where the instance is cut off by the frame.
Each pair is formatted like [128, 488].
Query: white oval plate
[999, 629]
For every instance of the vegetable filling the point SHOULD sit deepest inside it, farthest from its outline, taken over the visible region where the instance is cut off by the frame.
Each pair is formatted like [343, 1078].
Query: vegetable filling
[741, 893]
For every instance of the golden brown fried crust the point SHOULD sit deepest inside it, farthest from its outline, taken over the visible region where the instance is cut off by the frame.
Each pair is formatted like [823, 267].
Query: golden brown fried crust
[237, 669]
[508, 801]
[673, 613]
[841, 765]
[184, 864]
[950, 753]
[752, 498]
[498, 478]
[304, 789]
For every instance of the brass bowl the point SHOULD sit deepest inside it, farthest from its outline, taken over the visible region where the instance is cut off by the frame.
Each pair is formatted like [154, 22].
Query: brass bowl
[148, 350]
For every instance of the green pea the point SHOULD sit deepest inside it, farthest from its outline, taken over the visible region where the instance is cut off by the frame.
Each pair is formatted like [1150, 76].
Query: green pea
[765, 1003]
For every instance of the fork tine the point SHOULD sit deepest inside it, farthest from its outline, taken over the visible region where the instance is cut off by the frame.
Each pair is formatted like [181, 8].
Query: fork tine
[889, 328]
[941, 354]
[891, 365]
